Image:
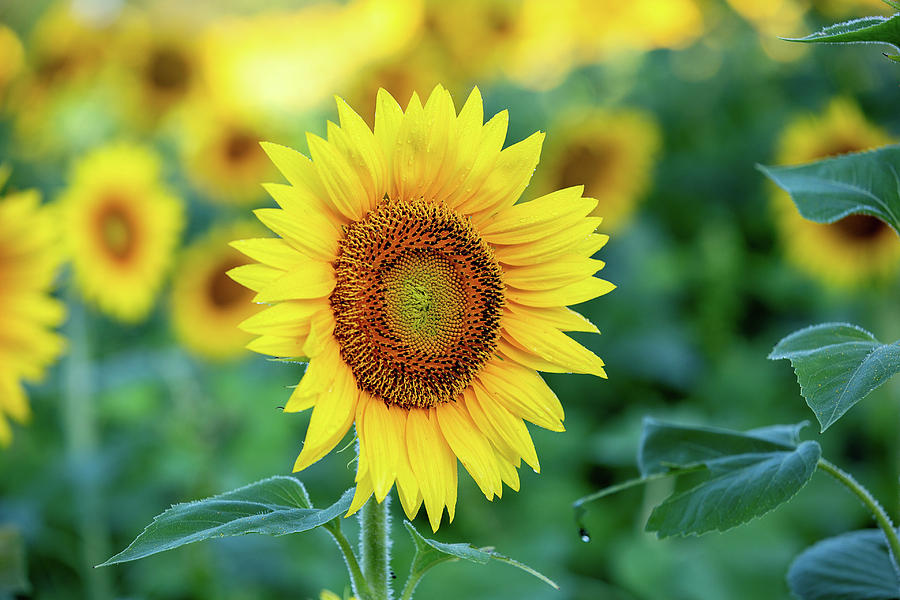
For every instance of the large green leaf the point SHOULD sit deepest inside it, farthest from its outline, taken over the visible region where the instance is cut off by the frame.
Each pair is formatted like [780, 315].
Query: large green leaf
[837, 365]
[13, 579]
[274, 506]
[430, 553]
[852, 565]
[826, 191]
[726, 478]
[865, 30]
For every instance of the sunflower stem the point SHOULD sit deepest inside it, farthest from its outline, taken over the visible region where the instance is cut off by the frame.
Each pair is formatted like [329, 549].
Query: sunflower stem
[375, 547]
[357, 579]
[80, 425]
[881, 516]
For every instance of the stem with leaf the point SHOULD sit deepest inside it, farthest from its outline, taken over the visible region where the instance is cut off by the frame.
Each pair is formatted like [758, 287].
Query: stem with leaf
[881, 516]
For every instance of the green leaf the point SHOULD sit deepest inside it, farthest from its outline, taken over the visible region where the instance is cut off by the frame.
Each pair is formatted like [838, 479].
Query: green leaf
[837, 365]
[747, 474]
[852, 565]
[866, 30]
[826, 191]
[430, 553]
[274, 506]
[13, 578]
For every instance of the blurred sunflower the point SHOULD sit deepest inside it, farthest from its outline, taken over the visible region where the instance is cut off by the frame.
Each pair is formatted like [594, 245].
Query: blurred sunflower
[611, 151]
[121, 226]
[207, 305]
[222, 155]
[159, 67]
[29, 258]
[857, 248]
[55, 100]
[423, 296]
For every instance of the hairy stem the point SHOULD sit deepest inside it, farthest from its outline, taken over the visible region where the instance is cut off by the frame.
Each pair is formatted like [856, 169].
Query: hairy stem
[357, 579]
[881, 517]
[375, 547]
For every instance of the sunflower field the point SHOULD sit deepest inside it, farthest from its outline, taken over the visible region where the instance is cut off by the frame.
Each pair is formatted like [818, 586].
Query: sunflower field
[607, 293]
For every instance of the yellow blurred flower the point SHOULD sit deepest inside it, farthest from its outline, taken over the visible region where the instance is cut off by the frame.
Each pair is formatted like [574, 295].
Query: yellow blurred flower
[857, 248]
[158, 66]
[221, 153]
[423, 296]
[611, 151]
[329, 595]
[121, 227]
[56, 98]
[774, 19]
[285, 61]
[29, 260]
[207, 305]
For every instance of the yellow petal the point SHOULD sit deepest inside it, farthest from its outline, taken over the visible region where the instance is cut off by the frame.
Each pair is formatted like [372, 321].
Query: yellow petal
[549, 247]
[508, 426]
[273, 252]
[555, 274]
[388, 118]
[13, 401]
[522, 392]
[383, 438]
[511, 350]
[560, 317]
[359, 146]
[574, 293]
[317, 378]
[552, 345]
[296, 168]
[312, 280]
[331, 418]
[470, 446]
[478, 167]
[553, 213]
[255, 276]
[311, 232]
[279, 346]
[432, 462]
[285, 318]
[339, 178]
[507, 180]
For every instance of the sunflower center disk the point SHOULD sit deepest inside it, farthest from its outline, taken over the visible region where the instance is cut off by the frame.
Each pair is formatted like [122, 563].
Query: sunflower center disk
[417, 303]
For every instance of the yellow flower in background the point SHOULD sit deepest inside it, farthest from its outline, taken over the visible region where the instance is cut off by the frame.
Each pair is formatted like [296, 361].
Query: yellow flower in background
[207, 305]
[857, 248]
[286, 61]
[55, 99]
[329, 595]
[415, 71]
[121, 227]
[611, 152]
[158, 66]
[424, 298]
[222, 156]
[29, 260]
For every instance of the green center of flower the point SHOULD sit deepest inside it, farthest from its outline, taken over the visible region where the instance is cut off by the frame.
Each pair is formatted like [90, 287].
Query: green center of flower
[417, 303]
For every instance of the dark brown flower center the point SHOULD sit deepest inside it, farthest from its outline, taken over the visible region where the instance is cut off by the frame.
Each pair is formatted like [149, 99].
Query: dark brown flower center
[417, 303]
[168, 70]
[222, 291]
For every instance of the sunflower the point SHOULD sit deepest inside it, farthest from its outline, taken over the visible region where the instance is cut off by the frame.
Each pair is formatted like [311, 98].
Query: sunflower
[29, 257]
[207, 305]
[423, 297]
[857, 248]
[611, 151]
[121, 226]
[222, 155]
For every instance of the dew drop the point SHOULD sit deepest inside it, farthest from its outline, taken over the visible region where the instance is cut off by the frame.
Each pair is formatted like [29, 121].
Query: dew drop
[585, 536]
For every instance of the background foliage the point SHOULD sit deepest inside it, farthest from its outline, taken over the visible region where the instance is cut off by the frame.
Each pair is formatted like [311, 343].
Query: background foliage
[704, 293]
